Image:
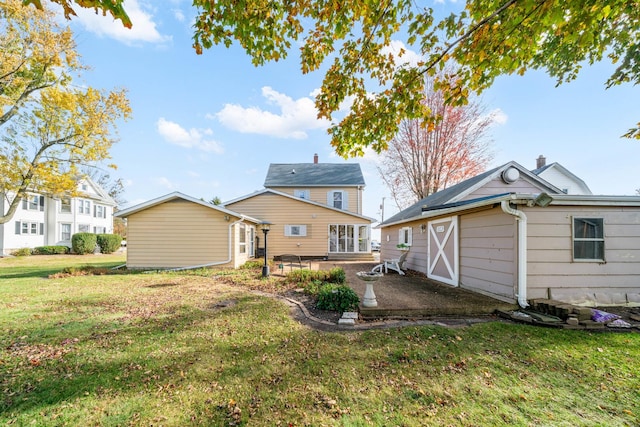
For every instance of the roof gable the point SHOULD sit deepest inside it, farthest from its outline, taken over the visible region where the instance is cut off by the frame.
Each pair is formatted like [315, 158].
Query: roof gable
[314, 175]
[548, 170]
[297, 199]
[177, 195]
[459, 191]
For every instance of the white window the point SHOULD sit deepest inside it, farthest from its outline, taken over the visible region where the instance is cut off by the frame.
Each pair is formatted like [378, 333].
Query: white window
[295, 230]
[405, 236]
[84, 207]
[65, 205]
[65, 232]
[23, 227]
[242, 239]
[83, 228]
[99, 211]
[588, 239]
[33, 203]
[338, 199]
[303, 194]
[99, 230]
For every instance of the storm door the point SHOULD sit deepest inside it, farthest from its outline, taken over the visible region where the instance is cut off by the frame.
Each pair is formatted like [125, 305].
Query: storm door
[442, 250]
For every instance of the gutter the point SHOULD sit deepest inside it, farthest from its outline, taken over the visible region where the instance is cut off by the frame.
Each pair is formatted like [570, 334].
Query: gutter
[212, 264]
[522, 251]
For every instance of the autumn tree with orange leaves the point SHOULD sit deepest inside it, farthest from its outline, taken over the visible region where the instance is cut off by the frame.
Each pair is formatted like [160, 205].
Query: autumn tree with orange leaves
[425, 158]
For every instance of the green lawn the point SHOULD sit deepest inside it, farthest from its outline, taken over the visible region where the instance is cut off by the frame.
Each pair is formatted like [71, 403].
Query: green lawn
[181, 349]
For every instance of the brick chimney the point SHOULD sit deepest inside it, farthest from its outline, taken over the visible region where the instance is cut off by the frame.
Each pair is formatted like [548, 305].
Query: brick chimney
[315, 158]
[541, 161]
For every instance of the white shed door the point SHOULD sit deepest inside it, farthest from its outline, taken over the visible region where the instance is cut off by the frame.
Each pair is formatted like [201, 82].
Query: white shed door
[442, 250]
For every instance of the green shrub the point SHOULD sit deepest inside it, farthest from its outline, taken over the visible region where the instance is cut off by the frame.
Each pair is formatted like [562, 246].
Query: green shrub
[83, 243]
[252, 264]
[108, 243]
[305, 276]
[337, 275]
[313, 287]
[21, 252]
[50, 250]
[339, 298]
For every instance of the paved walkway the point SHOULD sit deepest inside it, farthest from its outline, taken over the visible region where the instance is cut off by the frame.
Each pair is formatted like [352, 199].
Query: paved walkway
[414, 296]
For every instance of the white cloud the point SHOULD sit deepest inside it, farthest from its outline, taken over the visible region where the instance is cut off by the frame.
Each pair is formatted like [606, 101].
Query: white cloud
[294, 119]
[193, 138]
[143, 30]
[402, 54]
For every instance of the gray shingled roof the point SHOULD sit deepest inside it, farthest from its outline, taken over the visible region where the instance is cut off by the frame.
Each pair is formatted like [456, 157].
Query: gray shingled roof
[313, 175]
[440, 198]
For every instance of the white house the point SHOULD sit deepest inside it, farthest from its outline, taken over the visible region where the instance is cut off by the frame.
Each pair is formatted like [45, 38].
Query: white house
[41, 220]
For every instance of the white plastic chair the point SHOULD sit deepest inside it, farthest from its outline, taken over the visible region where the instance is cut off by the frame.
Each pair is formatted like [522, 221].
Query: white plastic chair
[395, 264]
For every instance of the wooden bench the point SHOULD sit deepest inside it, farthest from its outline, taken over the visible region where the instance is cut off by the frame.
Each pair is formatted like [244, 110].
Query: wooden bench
[291, 261]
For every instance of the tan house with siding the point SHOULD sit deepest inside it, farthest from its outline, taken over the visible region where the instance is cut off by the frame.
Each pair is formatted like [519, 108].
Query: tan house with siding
[509, 234]
[179, 231]
[307, 228]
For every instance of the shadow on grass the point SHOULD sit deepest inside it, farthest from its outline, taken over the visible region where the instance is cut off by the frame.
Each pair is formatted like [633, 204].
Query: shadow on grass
[43, 272]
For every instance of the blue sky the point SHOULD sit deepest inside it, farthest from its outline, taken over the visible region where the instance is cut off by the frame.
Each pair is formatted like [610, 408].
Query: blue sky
[209, 125]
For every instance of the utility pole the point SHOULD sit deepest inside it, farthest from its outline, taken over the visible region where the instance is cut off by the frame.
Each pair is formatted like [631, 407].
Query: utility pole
[382, 210]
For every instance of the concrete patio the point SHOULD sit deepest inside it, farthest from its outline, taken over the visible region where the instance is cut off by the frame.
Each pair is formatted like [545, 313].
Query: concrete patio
[415, 296]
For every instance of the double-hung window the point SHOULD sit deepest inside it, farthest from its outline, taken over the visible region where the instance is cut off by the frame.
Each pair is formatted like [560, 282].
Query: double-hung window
[298, 230]
[405, 236]
[99, 211]
[83, 228]
[65, 232]
[33, 202]
[302, 194]
[338, 199]
[65, 205]
[588, 239]
[84, 207]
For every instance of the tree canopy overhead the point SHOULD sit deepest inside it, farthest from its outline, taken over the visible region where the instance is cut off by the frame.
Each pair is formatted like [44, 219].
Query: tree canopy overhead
[350, 39]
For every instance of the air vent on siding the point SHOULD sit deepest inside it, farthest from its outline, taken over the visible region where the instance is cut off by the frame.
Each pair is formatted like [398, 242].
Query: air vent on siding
[510, 175]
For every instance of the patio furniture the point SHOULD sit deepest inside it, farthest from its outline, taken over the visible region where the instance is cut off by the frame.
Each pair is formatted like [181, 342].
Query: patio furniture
[292, 261]
[393, 264]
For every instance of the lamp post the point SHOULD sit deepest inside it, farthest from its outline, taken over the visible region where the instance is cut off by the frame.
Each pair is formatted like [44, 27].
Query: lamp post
[265, 229]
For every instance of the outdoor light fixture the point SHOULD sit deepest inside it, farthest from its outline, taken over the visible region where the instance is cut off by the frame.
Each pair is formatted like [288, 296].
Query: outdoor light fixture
[265, 226]
[543, 200]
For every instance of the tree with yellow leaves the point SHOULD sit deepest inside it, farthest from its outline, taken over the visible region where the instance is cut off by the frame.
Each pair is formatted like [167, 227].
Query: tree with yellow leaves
[49, 129]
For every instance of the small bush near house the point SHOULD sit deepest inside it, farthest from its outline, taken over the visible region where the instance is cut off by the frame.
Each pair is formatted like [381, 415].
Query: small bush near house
[252, 264]
[108, 243]
[304, 276]
[83, 243]
[50, 250]
[21, 252]
[337, 298]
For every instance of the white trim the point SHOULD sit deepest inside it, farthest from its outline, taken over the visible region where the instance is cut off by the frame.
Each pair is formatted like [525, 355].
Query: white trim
[451, 234]
[289, 230]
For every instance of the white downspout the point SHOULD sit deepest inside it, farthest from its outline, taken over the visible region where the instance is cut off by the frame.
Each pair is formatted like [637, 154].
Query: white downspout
[230, 256]
[522, 251]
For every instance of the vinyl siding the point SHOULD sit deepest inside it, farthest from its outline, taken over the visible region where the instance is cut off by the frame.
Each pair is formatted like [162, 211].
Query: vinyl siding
[178, 233]
[319, 195]
[551, 269]
[498, 186]
[488, 253]
[282, 211]
[417, 256]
